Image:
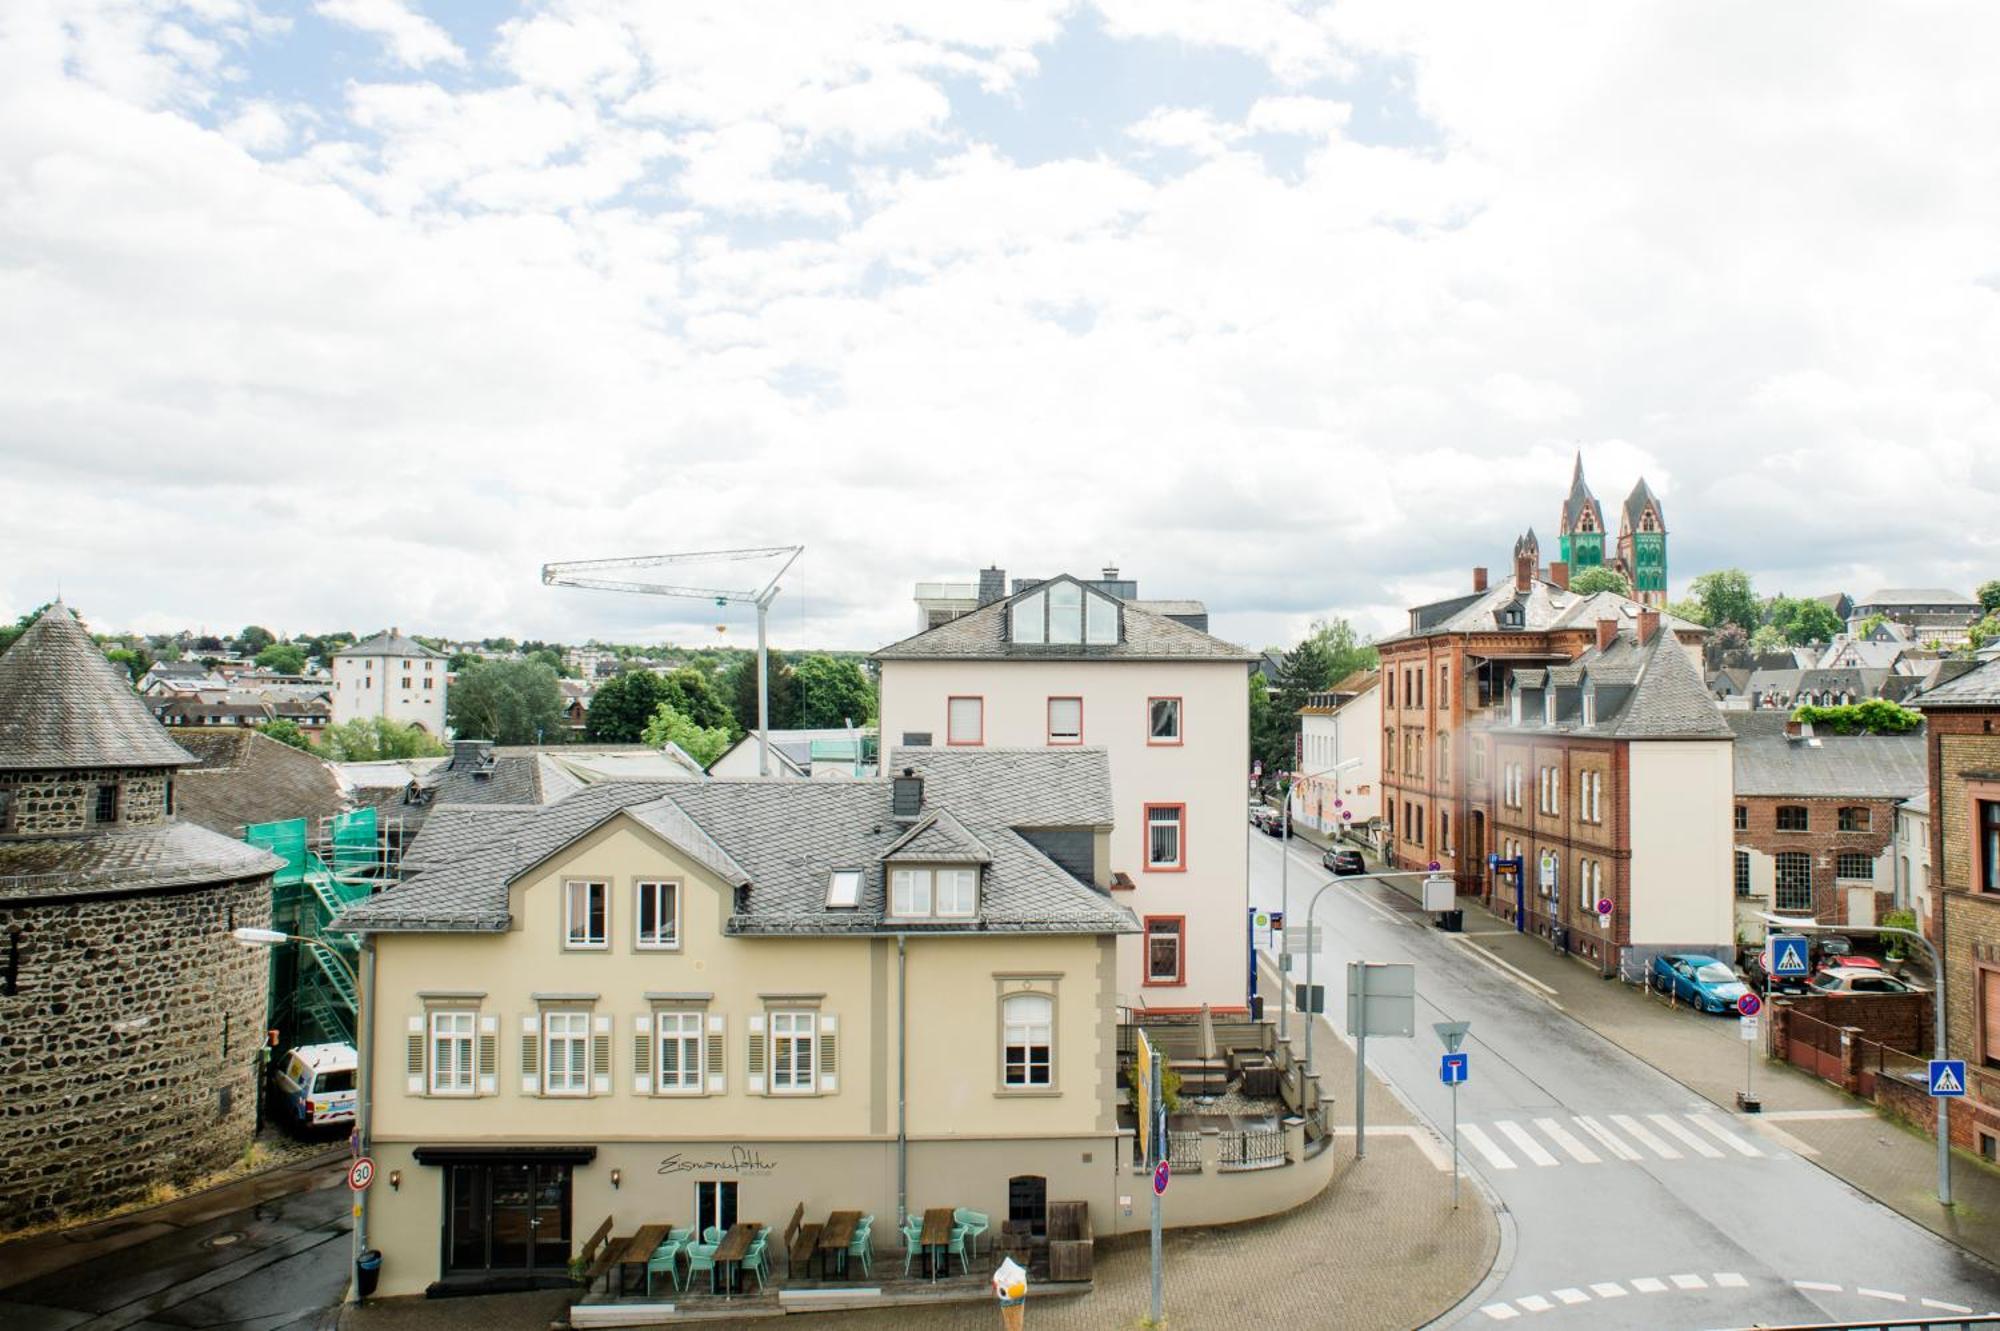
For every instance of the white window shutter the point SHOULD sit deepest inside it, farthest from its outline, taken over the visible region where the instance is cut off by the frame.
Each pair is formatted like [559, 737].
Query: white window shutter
[489, 1054]
[753, 1080]
[829, 1054]
[642, 1053]
[600, 1055]
[531, 1054]
[414, 1056]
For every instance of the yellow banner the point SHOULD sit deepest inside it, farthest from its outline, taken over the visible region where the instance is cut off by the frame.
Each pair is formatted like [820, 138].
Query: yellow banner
[1142, 1097]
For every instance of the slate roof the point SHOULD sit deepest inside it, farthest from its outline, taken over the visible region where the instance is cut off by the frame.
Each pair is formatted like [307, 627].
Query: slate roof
[1580, 498]
[390, 643]
[242, 777]
[981, 635]
[455, 831]
[62, 704]
[1643, 692]
[139, 859]
[1831, 766]
[779, 841]
[1544, 607]
[1974, 688]
[1635, 504]
[942, 839]
[1897, 596]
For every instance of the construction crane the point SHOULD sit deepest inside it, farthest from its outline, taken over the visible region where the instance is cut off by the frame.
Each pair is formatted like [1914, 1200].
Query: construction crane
[592, 573]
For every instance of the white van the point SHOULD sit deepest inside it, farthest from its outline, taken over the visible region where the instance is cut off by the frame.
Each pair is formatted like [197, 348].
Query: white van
[314, 1084]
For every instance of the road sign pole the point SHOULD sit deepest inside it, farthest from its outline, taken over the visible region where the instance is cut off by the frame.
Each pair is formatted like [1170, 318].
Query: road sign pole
[1159, 1314]
[1454, 1146]
[1361, 1069]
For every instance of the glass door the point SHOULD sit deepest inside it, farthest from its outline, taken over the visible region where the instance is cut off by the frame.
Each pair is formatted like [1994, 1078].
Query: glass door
[507, 1220]
[512, 1224]
[549, 1221]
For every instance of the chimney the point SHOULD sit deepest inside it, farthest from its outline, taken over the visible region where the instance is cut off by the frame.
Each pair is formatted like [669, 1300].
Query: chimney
[1479, 579]
[1607, 633]
[906, 795]
[1524, 570]
[1649, 624]
[396, 632]
[992, 585]
[1559, 574]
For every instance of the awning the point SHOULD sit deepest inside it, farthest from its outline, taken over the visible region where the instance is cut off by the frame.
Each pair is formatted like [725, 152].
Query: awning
[490, 1154]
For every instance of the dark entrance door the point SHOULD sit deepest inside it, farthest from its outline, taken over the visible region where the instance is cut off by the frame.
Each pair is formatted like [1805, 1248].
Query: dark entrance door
[507, 1222]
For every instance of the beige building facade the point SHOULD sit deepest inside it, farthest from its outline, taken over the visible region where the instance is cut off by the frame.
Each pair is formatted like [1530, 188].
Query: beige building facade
[394, 677]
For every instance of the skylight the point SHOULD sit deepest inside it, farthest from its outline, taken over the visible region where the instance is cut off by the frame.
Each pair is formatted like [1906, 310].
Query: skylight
[843, 889]
[1064, 613]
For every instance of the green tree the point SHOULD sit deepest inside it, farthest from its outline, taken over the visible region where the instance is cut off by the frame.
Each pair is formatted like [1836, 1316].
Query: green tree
[1693, 611]
[1877, 716]
[136, 660]
[1267, 739]
[1726, 597]
[508, 702]
[286, 732]
[670, 725]
[784, 692]
[1985, 631]
[1989, 596]
[622, 706]
[1802, 619]
[1344, 651]
[1600, 579]
[551, 658]
[283, 658]
[9, 632]
[689, 690]
[1870, 624]
[370, 739]
[254, 639]
[1767, 638]
[832, 692]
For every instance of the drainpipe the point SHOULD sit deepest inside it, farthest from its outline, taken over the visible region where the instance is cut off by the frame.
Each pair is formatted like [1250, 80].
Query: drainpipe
[364, 1029]
[902, 1083]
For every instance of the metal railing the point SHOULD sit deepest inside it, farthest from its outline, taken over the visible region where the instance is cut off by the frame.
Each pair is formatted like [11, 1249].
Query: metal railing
[1184, 1151]
[1255, 1148]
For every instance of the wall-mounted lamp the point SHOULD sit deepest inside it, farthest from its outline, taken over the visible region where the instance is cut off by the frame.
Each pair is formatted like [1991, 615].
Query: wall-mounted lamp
[616, 1178]
[395, 1180]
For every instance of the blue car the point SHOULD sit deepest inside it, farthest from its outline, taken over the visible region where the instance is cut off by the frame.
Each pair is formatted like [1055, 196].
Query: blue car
[1699, 981]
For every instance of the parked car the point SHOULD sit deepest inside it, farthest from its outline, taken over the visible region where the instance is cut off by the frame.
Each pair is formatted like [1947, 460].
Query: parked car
[313, 1084]
[1758, 978]
[1697, 980]
[1841, 980]
[1272, 823]
[1851, 961]
[1344, 862]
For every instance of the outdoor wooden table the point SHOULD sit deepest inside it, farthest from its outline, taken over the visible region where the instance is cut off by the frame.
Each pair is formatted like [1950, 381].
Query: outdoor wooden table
[639, 1249]
[735, 1246]
[835, 1238]
[936, 1235]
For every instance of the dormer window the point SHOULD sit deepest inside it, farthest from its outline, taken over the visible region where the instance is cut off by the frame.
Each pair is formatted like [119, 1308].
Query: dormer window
[1064, 613]
[1549, 708]
[843, 889]
[1514, 707]
[923, 894]
[1589, 707]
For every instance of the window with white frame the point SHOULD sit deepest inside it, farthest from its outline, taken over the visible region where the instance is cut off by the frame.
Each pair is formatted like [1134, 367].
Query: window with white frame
[1164, 836]
[965, 721]
[1027, 1041]
[658, 915]
[910, 892]
[957, 892]
[1590, 707]
[1065, 720]
[1065, 613]
[1163, 950]
[451, 1051]
[1549, 706]
[1163, 720]
[793, 1036]
[678, 1035]
[843, 889]
[584, 923]
[566, 1053]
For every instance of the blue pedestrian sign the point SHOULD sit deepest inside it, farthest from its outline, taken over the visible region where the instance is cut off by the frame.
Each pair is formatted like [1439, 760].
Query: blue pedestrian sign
[1788, 955]
[1947, 1076]
[1453, 1068]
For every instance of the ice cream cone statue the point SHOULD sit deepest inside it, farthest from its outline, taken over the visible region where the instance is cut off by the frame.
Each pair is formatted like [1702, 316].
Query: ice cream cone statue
[1010, 1283]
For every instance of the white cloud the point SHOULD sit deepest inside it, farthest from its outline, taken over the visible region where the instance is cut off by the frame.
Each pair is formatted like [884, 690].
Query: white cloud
[1308, 116]
[411, 38]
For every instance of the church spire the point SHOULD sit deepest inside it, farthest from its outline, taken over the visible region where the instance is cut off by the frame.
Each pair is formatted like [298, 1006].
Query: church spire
[1580, 531]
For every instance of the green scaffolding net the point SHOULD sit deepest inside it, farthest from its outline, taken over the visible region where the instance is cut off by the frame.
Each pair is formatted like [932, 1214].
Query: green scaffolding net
[286, 840]
[354, 841]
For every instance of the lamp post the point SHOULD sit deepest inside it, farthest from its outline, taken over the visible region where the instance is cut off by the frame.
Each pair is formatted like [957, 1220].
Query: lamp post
[1285, 881]
[1788, 924]
[363, 1020]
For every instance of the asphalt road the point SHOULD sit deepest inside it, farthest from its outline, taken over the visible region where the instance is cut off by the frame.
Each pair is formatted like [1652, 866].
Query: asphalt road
[1634, 1202]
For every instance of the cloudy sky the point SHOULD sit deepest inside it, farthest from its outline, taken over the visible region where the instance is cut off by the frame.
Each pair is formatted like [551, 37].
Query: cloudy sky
[342, 313]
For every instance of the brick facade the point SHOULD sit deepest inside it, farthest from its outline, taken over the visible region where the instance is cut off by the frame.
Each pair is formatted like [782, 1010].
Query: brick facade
[1964, 755]
[1824, 842]
[1575, 841]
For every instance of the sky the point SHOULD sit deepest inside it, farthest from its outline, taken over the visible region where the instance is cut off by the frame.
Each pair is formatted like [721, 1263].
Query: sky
[337, 314]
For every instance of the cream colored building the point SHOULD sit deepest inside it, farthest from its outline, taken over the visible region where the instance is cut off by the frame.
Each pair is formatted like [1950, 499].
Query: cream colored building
[1340, 755]
[1064, 663]
[698, 1003]
[390, 676]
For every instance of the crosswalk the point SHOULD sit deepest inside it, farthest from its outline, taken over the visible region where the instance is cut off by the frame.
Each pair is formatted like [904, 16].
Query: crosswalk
[1592, 1139]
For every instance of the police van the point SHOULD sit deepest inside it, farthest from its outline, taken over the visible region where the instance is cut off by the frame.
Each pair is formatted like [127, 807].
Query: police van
[314, 1085]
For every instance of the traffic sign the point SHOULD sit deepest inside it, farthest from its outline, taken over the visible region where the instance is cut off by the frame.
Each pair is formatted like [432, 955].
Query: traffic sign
[1788, 955]
[1747, 1028]
[1452, 1033]
[1161, 1173]
[1604, 906]
[1302, 938]
[360, 1174]
[1309, 997]
[1947, 1077]
[1749, 1005]
[1452, 1068]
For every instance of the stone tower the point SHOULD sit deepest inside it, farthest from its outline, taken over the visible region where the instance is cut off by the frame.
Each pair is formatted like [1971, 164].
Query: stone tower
[1642, 544]
[1580, 532]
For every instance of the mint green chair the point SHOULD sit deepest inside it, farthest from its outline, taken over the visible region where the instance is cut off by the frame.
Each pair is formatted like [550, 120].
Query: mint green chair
[913, 1229]
[863, 1245]
[956, 1248]
[666, 1258]
[976, 1223]
[701, 1257]
[755, 1260]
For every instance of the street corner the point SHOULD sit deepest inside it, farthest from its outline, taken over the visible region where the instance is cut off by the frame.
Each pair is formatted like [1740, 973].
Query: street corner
[530, 1310]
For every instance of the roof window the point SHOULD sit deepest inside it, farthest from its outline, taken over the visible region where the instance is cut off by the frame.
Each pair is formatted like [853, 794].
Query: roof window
[1064, 612]
[843, 889]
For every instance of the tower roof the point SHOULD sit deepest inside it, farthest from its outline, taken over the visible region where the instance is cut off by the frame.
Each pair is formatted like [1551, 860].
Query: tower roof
[1636, 502]
[1580, 500]
[62, 704]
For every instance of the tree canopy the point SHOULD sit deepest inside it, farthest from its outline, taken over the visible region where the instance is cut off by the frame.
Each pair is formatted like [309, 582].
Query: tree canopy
[1329, 653]
[284, 658]
[702, 743]
[1600, 579]
[1802, 620]
[371, 738]
[1877, 716]
[832, 692]
[1989, 596]
[784, 692]
[286, 732]
[508, 702]
[1726, 597]
[254, 639]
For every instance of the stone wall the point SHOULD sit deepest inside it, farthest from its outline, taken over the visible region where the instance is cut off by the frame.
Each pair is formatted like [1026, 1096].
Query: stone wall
[129, 1048]
[53, 803]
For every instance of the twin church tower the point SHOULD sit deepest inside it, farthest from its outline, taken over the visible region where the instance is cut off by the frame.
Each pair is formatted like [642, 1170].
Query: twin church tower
[1641, 551]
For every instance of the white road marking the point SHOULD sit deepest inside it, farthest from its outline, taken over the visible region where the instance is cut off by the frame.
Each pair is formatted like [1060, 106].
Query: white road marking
[1883, 1294]
[1723, 1135]
[1637, 1132]
[1650, 1285]
[1942, 1306]
[1673, 1128]
[1730, 1280]
[1609, 1289]
[1500, 1312]
[1817, 1286]
[1484, 1144]
[1783, 1138]
[1604, 1138]
[1572, 1296]
[1562, 1137]
[1423, 1138]
[1807, 1115]
[1690, 1281]
[1531, 1148]
[1534, 1303]
[1504, 965]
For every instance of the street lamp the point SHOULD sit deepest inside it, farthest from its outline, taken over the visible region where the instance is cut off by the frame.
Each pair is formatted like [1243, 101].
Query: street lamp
[1285, 881]
[1791, 924]
[363, 1019]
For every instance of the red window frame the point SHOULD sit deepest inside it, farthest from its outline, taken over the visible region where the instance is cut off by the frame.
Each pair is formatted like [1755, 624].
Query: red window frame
[1978, 793]
[1050, 720]
[979, 698]
[1180, 721]
[1146, 864]
[1180, 951]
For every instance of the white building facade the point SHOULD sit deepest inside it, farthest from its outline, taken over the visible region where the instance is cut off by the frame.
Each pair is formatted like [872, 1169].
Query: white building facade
[394, 677]
[1340, 759]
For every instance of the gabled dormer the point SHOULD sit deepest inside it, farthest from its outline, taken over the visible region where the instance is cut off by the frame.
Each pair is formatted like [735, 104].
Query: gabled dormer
[934, 873]
[1526, 690]
[1064, 612]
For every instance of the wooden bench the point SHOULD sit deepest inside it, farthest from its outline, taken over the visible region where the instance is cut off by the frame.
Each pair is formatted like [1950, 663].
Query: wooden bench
[801, 1240]
[599, 1251]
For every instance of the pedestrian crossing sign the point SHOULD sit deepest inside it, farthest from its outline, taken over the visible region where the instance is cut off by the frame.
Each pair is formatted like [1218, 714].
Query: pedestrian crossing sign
[1947, 1076]
[1788, 955]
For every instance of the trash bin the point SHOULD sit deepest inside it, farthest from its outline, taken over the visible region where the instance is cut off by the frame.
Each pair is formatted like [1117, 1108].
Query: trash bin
[367, 1271]
[1256, 1007]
